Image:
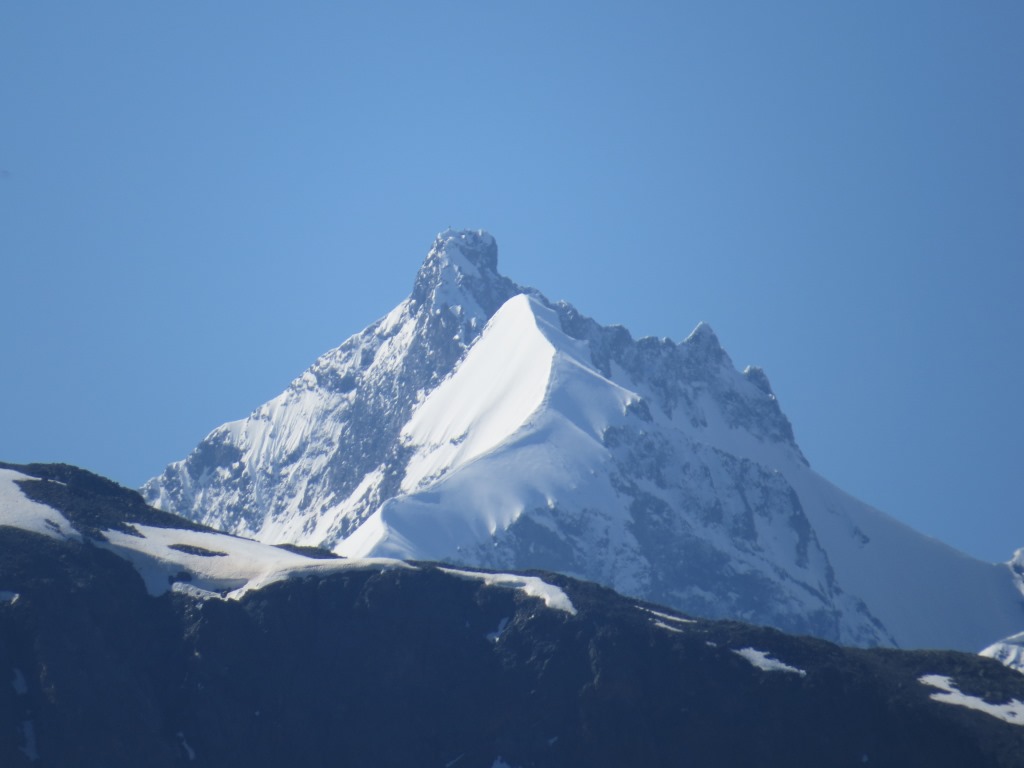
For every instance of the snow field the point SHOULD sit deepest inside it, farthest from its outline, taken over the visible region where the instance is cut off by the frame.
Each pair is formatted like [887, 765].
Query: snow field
[1012, 712]
[501, 382]
[766, 663]
[221, 565]
[233, 567]
[18, 511]
[532, 586]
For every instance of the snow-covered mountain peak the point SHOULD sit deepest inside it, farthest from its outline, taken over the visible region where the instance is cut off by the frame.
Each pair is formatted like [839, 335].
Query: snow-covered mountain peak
[482, 424]
[523, 362]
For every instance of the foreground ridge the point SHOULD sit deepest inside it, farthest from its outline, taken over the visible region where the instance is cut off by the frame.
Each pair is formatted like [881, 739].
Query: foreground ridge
[384, 663]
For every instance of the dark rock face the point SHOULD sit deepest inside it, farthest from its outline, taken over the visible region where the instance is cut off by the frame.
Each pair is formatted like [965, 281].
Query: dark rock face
[99, 659]
[420, 666]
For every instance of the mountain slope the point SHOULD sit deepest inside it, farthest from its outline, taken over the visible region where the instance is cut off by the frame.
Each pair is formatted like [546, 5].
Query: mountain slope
[357, 663]
[479, 423]
[315, 461]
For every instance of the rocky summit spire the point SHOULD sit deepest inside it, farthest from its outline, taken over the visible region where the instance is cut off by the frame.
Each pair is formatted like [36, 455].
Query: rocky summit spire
[475, 246]
[460, 273]
[703, 343]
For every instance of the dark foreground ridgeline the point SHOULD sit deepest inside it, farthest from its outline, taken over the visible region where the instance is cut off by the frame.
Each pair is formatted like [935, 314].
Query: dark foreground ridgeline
[423, 667]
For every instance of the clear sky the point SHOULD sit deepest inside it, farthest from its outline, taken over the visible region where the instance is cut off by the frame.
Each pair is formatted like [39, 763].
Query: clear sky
[199, 198]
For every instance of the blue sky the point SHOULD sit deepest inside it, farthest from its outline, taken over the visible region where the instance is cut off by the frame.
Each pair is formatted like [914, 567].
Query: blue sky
[197, 199]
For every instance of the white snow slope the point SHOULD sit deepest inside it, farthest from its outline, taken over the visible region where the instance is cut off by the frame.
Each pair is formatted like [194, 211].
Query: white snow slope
[1009, 712]
[218, 566]
[480, 424]
[17, 511]
[1009, 652]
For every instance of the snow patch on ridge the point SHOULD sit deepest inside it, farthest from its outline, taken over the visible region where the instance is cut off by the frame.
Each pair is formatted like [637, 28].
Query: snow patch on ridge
[766, 663]
[659, 617]
[669, 627]
[533, 586]
[230, 566]
[1011, 712]
[18, 511]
